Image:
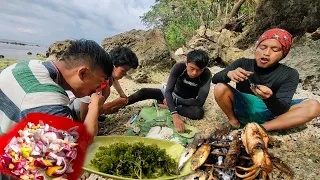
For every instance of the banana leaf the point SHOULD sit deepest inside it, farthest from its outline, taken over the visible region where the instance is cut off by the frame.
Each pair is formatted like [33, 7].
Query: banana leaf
[155, 116]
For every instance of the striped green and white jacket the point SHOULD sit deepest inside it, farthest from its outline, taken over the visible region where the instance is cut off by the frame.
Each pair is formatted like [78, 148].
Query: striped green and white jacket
[30, 86]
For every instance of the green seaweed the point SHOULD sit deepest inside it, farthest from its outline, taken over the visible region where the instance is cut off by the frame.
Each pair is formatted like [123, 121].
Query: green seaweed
[134, 160]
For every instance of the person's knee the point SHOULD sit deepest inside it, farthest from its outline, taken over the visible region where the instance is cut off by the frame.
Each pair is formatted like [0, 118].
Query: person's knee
[313, 107]
[198, 113]
[143, 90]
[220, 89]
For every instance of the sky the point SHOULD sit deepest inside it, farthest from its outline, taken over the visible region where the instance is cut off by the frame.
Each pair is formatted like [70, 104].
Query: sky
[46, 21]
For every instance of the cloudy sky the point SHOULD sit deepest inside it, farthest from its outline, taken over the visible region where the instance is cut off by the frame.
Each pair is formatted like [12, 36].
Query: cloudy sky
[45, 21]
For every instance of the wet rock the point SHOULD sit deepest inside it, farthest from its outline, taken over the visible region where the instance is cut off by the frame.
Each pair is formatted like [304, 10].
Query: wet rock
[29, 53]
[1, 56]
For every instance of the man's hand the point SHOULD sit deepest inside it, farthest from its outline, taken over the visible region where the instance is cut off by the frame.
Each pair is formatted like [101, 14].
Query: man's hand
[91, 119]
[164, 105]
[178, 123]
[113, 106]
[120, 102]
[165, 102]
[123, 95]
[117, 104]
[239, 74]
[263, 92]
[96, 100]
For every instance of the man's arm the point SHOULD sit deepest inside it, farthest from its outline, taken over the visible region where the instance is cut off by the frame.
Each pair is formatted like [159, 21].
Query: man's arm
[279, 103]
[174, 74]
[83, 110]
[176, 70]
[221, 77]
[113, 106]
[202, 94]
[91, 120]
[118, 88]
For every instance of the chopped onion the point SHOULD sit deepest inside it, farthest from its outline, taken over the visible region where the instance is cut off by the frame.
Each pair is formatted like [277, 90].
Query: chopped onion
[72, 154]
[39, 163]
[69, 170]
[41, 148]
[66, 148]
[63, 170]
[6, 160]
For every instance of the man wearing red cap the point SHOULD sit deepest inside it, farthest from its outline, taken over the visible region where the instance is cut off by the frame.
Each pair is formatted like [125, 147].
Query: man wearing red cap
[264, 87]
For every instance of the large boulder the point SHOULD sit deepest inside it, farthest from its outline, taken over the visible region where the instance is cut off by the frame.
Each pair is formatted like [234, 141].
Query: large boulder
[208, 34]
[305, 57]
[226, 38]
[180, 54]
[56, 49]
[198, 42]
[149, 46]
[230, 54]
[218, 45]
[212, 35]
[250, 52]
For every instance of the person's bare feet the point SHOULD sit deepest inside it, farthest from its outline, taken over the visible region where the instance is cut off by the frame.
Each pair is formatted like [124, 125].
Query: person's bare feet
[163, 106]
[234, 123]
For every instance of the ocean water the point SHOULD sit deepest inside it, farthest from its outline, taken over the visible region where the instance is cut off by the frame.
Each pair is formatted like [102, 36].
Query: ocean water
[19, 52]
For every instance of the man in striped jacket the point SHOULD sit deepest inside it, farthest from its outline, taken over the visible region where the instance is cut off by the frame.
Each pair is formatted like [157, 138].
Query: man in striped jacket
[39, 86]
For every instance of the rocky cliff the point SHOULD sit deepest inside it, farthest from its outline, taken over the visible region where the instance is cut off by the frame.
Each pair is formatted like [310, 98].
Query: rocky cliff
[149, 46]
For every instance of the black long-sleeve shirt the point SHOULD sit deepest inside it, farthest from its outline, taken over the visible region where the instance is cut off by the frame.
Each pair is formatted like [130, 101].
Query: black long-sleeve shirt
[192, 92]
[281, 79]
